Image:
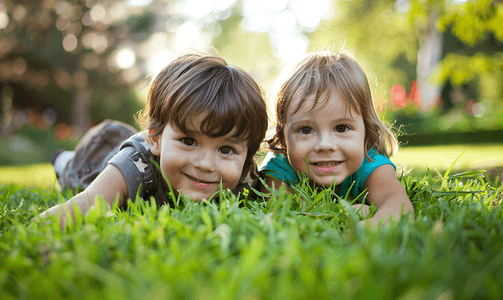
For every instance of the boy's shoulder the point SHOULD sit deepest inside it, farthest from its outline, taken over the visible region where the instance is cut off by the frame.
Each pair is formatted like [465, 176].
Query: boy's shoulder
[138, 140]
[134, 160]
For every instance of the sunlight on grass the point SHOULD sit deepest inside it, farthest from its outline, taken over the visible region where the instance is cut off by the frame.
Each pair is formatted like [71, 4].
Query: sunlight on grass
[441, 157]
[477, 157]
[39, 175]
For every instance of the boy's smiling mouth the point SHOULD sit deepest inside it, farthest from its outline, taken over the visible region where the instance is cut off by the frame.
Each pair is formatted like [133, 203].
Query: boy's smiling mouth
[204, 182]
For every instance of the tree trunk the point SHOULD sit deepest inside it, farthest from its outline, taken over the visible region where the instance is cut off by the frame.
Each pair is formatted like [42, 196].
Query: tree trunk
[81, 119]
[428, 58]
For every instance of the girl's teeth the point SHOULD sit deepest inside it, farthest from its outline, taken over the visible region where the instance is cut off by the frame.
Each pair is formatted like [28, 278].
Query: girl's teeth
[326, 164]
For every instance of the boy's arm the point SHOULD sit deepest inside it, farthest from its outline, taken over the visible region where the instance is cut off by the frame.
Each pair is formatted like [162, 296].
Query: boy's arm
[109, 183]
[388, 194]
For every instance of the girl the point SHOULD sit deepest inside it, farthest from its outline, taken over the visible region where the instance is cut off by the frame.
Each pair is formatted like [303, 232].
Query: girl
[327, 128]
[205, 121]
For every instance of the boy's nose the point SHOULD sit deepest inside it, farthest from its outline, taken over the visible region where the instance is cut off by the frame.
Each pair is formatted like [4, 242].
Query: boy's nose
[205, 162]
[325, 142]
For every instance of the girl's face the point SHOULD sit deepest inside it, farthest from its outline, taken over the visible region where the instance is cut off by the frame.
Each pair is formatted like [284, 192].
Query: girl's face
[196, 163]
[331, 137]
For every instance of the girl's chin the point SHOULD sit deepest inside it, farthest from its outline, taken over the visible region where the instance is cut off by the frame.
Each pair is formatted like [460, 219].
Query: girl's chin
[325, 182]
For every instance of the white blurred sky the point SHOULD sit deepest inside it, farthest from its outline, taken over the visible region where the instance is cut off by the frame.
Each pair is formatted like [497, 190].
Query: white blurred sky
[283, 20]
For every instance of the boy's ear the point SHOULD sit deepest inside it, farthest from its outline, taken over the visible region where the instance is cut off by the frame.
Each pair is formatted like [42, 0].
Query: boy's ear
[155, 145]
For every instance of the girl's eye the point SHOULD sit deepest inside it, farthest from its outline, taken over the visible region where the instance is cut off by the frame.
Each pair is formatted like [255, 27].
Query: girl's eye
[306, 130]
[188, 141]
[341, 128]
[227, 150]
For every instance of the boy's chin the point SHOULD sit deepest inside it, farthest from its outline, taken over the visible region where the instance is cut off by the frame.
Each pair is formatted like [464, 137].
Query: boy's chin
[199, 197]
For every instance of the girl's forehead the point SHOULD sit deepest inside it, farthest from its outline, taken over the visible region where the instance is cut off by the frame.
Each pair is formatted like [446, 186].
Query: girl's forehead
[332, 102]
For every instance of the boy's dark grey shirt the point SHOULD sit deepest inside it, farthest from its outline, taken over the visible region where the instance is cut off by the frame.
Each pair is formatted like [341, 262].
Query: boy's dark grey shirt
[134, 160]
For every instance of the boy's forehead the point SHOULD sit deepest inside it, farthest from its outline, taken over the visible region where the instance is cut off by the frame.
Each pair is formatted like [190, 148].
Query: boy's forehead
[193, 126]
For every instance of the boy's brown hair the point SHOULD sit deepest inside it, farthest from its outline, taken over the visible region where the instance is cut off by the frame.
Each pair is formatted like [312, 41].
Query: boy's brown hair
[324, 73]
[195, 83]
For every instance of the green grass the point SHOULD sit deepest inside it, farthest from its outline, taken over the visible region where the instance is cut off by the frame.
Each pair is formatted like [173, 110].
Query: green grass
[418, 159]
[38, 175]
[244, 249]
[475, 157]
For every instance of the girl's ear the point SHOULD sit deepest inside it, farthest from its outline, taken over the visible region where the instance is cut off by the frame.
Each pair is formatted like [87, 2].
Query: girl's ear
[155, 144]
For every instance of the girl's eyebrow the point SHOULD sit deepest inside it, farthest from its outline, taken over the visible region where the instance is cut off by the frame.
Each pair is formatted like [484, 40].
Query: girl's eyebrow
[297, 120]
[345, 119]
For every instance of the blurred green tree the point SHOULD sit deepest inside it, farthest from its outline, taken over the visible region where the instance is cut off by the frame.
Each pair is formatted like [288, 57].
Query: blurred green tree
[57, 55]
[401, 41]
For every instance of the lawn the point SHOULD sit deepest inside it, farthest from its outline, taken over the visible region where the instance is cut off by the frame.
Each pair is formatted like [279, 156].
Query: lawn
[415, 159]
[239, 248]
[473, 157]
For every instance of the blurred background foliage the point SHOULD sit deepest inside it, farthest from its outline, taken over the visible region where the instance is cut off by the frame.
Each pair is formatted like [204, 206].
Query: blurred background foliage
[65, 65]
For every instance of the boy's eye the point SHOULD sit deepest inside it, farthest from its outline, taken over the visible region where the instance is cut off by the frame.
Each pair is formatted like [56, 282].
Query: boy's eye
[306, 130]
[227, 150]
[341, 128]
[188, 141]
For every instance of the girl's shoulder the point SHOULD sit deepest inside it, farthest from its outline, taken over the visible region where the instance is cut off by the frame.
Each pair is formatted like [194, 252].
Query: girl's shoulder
[359, 178]
[377, 159]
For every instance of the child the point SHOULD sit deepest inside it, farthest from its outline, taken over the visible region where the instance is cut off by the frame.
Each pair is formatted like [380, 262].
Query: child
[205, 122]
[325, 117]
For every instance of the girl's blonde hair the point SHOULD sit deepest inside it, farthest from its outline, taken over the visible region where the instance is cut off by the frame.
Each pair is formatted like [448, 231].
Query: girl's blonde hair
[324, 73]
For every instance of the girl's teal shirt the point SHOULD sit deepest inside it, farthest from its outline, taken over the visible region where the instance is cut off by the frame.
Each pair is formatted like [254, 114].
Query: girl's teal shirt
[278, 166]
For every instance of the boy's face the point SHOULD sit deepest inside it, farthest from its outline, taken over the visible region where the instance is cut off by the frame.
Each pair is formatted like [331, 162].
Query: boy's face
[330, 137]
[196, 163]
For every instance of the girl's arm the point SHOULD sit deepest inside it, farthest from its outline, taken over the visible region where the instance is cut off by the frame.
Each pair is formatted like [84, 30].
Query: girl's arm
[388, 194]
[109, 183]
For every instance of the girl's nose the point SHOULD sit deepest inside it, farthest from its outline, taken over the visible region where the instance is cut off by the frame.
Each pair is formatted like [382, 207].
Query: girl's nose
[325, 142]
[205, 161]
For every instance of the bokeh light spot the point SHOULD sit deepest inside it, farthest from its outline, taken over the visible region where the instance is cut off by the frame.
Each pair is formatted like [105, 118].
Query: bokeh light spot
[98, 12]
[398, 95]
[62, 131]
[125, 58]
[4, 19]
[70, 43]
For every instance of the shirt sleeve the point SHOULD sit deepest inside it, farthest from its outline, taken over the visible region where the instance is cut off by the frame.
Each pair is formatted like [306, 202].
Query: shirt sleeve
[362, 174]
[278, 167]
[133, 160]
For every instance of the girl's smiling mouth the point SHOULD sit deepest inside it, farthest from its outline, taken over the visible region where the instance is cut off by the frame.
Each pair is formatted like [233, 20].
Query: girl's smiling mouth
[327, 166]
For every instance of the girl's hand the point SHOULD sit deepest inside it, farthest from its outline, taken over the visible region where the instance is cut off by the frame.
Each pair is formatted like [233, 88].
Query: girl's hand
[362, 210]
[388, 194]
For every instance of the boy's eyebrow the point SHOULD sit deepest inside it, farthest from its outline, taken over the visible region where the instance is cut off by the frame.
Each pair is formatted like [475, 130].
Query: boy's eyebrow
[232, 139]
[235, 139]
